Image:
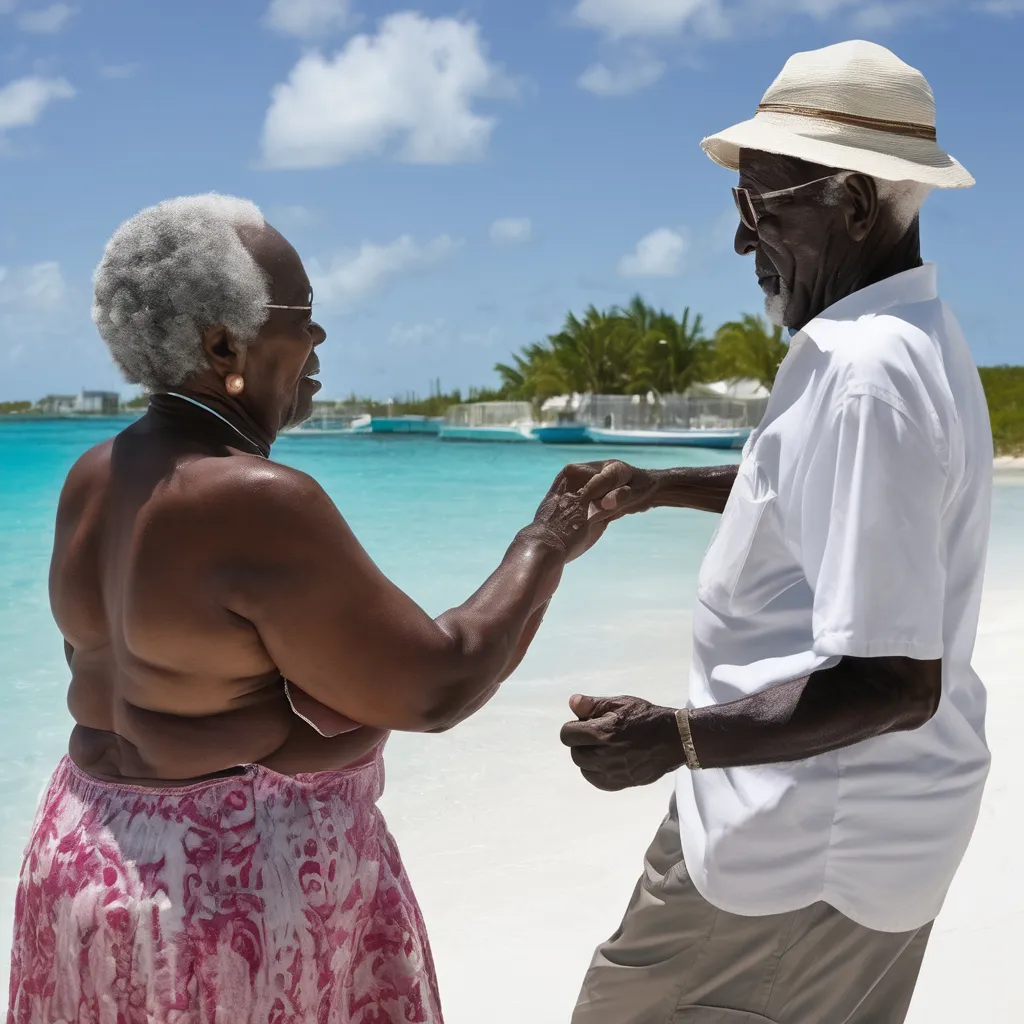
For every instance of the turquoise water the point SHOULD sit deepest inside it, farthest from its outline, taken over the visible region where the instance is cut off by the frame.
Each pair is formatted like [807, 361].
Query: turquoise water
[435, 517]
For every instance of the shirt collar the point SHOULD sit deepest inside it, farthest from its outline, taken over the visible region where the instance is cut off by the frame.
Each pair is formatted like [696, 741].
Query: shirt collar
[905, 289]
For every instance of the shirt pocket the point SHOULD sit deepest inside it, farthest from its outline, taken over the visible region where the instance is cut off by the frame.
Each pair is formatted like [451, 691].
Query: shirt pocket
[745, 566]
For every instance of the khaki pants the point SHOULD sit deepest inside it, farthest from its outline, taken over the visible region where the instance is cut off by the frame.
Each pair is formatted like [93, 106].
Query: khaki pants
[676, 958]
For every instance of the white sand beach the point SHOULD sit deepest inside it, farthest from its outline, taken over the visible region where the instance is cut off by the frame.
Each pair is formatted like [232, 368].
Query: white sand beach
[520, 866]
[532, 867]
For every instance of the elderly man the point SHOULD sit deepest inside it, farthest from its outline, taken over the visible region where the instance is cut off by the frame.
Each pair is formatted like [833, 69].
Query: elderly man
[831, 758]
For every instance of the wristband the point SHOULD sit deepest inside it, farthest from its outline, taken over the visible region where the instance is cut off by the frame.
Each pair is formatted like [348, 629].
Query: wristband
[683, 721]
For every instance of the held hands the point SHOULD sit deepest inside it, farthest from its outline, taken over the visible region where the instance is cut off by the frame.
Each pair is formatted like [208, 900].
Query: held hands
[586, 497]
[622, 742]
[613, 489]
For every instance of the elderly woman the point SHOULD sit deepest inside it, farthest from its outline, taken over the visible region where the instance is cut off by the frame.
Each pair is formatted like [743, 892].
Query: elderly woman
[210, 849]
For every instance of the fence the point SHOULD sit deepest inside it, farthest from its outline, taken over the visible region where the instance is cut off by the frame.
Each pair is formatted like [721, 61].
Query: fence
[489, 414]
[637, 412]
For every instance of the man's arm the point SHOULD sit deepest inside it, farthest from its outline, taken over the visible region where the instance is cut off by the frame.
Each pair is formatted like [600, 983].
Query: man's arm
[704, 488]
[858, 699]
[869, 535]
[627, 489]
[625, 741]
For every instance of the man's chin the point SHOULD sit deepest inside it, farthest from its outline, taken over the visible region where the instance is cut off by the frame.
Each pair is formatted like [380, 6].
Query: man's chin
[775, 309]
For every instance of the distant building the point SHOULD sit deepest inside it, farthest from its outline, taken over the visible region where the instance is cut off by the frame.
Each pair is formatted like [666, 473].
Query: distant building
[103, 403]
[57, 404]
[90, 403]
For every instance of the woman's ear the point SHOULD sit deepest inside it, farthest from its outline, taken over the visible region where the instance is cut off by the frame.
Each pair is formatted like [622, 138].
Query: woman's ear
[223, 352]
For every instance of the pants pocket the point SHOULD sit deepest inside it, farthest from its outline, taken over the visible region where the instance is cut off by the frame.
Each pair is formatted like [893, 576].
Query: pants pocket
[717, 1015]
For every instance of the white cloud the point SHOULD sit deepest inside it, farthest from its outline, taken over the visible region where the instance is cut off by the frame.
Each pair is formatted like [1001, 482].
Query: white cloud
[638, 71]
[33, 301]
[120, 70]
[408, 90]
[625, 23]
[46, 20]
[307, 19]
[619, 19]
[23, 101]
[511, 231]
[353, 276]
[877, 17]
[662, 253]
[624, 19]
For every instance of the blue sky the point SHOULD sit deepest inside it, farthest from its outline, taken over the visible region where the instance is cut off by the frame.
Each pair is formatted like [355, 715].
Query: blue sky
[457, 177]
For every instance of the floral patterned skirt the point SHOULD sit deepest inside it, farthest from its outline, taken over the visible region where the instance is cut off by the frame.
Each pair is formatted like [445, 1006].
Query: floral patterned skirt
[251, 898]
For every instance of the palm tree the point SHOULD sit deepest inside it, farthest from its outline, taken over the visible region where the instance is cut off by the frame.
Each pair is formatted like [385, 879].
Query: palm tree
[673, 354]
[749, 349]
[639, 316]
[595, 352]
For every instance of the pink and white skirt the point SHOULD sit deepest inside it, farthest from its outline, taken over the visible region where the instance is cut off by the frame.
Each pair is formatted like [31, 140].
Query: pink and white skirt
[252, 899]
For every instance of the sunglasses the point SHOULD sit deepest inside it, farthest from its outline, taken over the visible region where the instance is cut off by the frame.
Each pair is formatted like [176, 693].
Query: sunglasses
[752, 206]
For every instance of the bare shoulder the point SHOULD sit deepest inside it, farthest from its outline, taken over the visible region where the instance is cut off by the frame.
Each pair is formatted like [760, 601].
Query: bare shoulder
[250, 494]
[86, 477]
[259, 483]
[95, 460]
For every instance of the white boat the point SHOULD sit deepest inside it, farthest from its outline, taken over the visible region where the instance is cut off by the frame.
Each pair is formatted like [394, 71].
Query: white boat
[326, 424]
[489, 421]
[512, 432]
[699, 437]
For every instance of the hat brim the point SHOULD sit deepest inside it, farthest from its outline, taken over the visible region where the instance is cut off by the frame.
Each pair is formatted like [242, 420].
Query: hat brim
[879, 154]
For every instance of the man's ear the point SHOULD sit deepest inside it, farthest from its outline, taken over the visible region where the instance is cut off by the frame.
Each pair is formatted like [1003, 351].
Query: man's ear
[861, 204]
[224, 353]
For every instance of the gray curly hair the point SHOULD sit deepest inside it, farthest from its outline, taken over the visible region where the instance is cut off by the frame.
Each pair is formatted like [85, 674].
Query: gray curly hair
[169, 273]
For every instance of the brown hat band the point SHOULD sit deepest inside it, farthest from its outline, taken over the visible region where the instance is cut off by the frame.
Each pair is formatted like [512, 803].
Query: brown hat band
[913, 131]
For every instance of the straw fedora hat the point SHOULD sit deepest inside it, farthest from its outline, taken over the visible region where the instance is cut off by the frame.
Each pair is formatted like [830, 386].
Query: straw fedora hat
[854, 106]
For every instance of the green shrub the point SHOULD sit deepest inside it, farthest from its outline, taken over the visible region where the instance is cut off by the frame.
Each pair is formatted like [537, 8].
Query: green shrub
[1004, 389]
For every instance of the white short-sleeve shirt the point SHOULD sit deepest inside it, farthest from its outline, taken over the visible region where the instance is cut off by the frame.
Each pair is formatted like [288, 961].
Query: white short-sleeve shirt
[857, 526]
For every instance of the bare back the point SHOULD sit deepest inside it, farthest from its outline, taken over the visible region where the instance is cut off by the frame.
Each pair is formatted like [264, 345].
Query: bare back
[166, 682]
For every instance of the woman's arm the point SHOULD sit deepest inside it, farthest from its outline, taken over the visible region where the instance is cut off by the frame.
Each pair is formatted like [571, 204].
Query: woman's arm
[343, 633]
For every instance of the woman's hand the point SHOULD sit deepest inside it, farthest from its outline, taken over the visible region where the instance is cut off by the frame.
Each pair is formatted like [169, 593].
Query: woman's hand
[562, 517]
[586, 497]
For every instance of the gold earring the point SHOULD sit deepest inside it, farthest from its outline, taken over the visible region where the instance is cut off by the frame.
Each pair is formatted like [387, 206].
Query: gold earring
[235, 383]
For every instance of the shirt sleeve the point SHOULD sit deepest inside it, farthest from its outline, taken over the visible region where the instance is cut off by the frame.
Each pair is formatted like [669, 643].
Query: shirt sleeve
[871, 533]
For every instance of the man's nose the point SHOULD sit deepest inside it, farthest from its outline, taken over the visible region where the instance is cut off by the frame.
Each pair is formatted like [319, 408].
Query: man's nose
[319, 334]
[746, 240]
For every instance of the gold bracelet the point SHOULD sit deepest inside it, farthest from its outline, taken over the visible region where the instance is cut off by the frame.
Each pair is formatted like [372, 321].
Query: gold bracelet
[683, 721]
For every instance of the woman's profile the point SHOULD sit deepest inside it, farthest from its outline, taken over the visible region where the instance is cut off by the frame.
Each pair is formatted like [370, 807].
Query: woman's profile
[210, 850]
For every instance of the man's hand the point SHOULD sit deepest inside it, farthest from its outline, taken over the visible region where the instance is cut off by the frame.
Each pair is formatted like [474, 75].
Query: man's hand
[622, 742]
[611, 489]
